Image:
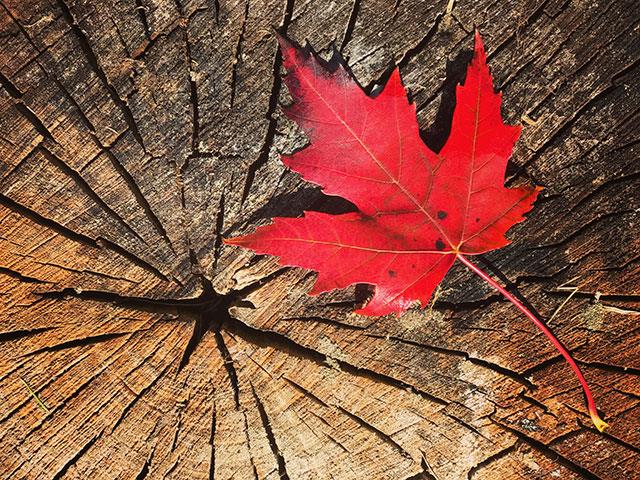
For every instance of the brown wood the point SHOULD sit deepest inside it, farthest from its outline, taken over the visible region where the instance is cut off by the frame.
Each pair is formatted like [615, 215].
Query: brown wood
[135, 134]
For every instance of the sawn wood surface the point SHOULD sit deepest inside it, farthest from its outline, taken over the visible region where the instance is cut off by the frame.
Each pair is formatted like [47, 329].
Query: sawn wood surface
[136, 134]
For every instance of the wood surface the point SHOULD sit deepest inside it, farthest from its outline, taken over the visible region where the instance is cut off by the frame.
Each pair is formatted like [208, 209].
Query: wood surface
[136, 134]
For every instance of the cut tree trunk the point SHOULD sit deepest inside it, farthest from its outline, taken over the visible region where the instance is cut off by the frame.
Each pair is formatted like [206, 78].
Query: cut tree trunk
[136, 134]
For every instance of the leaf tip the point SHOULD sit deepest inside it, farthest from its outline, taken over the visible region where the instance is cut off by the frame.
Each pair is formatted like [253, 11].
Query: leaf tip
[288, 47]
[282, 40]
[233, 241]
[479, 54]
[597, 421]
[479, 45]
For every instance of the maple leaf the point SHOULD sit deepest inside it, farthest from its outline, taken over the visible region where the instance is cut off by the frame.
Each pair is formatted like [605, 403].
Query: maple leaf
[418, 211]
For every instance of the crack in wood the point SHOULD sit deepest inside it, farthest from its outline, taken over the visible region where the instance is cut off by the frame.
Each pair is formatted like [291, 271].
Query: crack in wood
[351, 24]
[83, 117]
[95, 65]
[315, 399]
[142, 16]
[141, 53]
[140, 198]
[326, 321]
[11, 89]
[144, 471]
[87, 271]
[212, 442]
[266, 424]
[131, 184]
[230, 367]
[79, 342]
[85, 448]
[103, 242]
[44, 385]
[388, 439]
[609, 183]
[46, 222]
[277, 340]
[32, 118]
[425, 474]
[24, 109]
[248, 440]
[396, 9]
[421, 45]
[193, 99]
[97, 243]
[583, 228]
[601, 296]
[548, 452]
[460, 306]
[21, 277]
[469, 427]
[13, 335]
[557, 136]
[263, 155]
[494, 367]
[211, 312]
[489, 460]
[599, 365]
[611, 368]
[237, 56]
[218, 314]
[140, 395]
[613, 438]
[217, 244]
[87, 190]
[532, 401]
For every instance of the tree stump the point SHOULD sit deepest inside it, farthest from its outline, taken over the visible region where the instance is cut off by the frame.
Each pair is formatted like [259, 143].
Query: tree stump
[136, 134]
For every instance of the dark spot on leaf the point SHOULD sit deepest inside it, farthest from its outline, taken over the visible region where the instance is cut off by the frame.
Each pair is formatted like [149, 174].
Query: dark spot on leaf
[442, 214]
[413, 265]
[439, 245]
[392, 273]
[477, 220]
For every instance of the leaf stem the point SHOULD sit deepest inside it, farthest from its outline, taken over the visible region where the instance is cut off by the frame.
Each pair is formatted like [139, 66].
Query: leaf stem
[593, 412]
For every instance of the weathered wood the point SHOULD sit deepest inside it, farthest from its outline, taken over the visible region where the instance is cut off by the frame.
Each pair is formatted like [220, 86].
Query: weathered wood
[134, 135]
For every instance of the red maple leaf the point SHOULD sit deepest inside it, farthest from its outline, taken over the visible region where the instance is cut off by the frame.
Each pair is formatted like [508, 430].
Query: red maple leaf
[418, 211]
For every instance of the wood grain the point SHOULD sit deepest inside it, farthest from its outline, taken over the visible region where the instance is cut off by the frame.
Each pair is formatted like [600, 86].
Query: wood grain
[135, 135]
